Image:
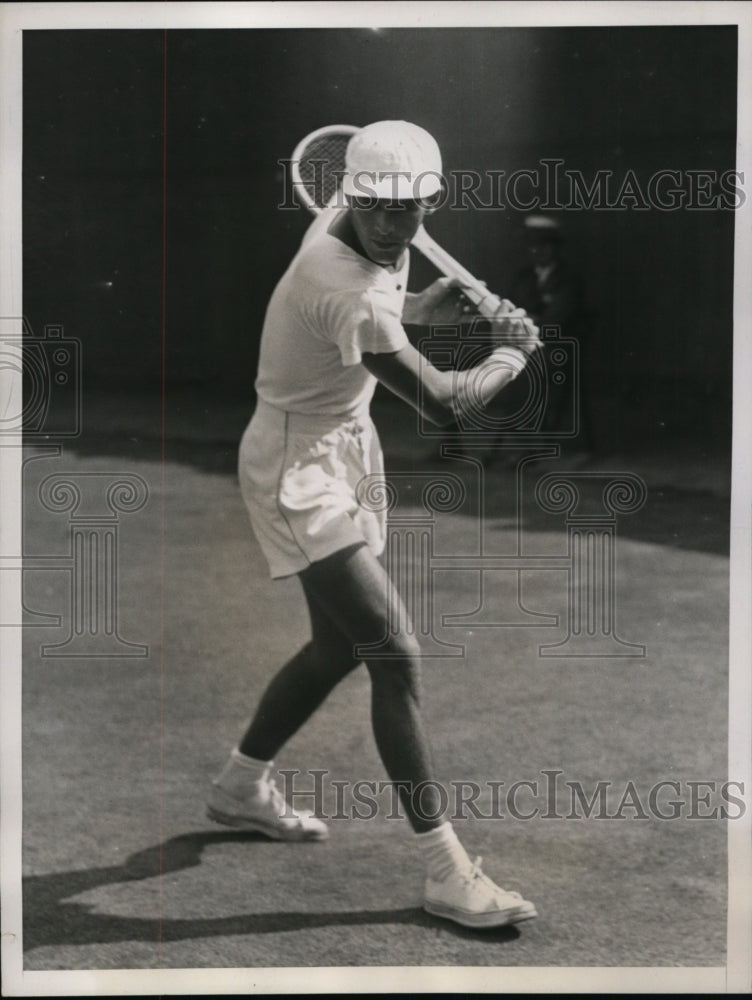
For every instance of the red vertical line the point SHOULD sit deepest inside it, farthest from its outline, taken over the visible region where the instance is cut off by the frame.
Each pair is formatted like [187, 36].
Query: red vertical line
[162, 534]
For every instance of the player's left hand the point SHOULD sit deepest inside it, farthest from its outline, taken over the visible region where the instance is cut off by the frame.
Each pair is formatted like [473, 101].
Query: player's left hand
[441, 302]
[512, 327]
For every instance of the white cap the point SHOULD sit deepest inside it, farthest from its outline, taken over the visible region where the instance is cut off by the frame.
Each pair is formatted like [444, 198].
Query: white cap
[396, 160]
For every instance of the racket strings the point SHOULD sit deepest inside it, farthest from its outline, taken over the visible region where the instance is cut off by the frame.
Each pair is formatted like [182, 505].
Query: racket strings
[321, 166]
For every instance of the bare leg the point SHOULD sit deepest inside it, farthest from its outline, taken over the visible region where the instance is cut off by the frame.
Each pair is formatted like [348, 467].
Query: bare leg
[355, 591]
[300, 686]
[351, 599]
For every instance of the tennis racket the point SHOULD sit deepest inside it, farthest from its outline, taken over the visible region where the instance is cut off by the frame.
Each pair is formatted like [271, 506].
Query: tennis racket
[317, 167]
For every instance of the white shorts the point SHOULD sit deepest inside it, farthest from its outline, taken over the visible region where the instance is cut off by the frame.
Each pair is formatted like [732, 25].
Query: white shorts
[299, 475]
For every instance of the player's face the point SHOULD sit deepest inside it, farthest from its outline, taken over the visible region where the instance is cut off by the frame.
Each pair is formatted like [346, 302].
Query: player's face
[385, 228]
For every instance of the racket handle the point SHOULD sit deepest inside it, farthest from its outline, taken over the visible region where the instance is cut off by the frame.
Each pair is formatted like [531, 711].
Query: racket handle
[486, 303]
[484, 300]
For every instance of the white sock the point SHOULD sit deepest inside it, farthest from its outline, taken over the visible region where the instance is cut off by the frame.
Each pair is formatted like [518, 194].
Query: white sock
[240, 774]
[442, 852]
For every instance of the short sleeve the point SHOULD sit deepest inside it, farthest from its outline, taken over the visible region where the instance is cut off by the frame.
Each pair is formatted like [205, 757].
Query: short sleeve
[366, 322]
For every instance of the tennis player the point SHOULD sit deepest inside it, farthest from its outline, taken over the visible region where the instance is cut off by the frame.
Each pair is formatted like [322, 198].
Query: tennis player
[333, 328]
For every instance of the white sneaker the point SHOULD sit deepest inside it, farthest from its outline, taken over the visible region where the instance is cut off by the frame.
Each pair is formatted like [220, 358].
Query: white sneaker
[265, 811]
[470, 898]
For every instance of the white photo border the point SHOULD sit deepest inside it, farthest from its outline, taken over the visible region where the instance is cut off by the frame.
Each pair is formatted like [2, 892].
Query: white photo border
[737, 975]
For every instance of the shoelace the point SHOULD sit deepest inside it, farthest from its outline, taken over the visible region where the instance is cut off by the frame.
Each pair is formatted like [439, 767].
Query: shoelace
[281, 805]
[477, 873]
[276, 797]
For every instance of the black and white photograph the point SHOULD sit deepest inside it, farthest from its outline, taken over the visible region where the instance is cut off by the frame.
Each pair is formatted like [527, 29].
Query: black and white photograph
[375, 498]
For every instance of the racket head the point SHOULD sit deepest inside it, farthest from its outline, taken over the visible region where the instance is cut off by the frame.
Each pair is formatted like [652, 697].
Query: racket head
[317, 165]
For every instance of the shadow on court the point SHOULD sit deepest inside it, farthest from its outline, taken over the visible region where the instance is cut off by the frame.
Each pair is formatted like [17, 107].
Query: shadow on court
[50, 920]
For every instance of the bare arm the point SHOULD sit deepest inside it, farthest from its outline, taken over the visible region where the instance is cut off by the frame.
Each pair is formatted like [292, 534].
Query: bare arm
[438, 395]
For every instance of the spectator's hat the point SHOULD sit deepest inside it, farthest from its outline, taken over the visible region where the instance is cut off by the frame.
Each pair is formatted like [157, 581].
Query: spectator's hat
[544, 226]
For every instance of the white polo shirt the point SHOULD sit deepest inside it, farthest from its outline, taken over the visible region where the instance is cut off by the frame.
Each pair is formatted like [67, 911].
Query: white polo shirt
[330, 307]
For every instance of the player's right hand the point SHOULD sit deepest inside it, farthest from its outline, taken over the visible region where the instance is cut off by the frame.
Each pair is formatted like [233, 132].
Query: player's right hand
[512, 327]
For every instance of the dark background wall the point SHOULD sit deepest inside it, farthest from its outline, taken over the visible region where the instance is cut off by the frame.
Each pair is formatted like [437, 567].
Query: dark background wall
[616, 99]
